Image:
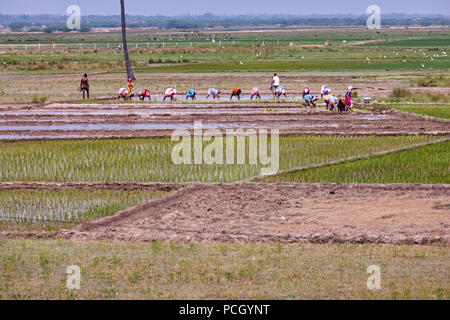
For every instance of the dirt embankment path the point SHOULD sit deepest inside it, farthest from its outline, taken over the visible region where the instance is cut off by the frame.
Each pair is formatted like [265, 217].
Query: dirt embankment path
[163, 186]
[396, 213]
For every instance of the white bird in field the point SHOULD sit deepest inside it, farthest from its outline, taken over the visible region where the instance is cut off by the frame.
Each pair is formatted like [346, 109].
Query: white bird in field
[241, 62]
[303, 57]
[384, 57]
[431, 58]
[404, 60]
[367, 58]
[423, 66]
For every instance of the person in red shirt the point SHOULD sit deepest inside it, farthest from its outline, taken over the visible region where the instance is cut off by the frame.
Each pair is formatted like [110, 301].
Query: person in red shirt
[145, 93]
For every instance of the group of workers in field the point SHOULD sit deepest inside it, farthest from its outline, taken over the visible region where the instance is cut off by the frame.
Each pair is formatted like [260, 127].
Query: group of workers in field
[332, 102]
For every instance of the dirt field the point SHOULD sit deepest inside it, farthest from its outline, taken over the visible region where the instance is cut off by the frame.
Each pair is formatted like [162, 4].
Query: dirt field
[396, 213]
[156, 119]
[105, 85]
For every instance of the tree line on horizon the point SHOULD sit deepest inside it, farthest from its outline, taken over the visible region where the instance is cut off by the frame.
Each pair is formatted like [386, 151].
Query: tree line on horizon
[51, 23]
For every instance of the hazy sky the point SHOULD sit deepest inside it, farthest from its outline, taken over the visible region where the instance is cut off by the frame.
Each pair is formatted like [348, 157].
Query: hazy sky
[228, 7]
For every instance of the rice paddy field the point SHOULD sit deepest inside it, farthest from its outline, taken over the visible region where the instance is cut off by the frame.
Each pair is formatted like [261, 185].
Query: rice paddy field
[423, 165]
[93, 182]
[50, 210]
[149, 160]
[437, 111]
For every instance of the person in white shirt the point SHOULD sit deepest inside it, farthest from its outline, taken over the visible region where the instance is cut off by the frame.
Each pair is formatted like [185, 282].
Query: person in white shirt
[275, 83]
[324, 91]
[170, 93]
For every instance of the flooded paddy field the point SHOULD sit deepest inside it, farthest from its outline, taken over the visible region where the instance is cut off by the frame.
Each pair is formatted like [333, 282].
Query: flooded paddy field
[67, 120]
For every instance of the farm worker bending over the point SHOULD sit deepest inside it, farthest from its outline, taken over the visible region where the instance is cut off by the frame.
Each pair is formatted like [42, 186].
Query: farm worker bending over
[341, 105]
[144, 93]
[214, 93]
[236, 92]
[84, 85]
[309, 100]
[280, 91]
[331, 101]
[275, 83]
[324, 90]
[348, 99]
[170, 93]
[122, 93]
[191, 94]
[256, 93]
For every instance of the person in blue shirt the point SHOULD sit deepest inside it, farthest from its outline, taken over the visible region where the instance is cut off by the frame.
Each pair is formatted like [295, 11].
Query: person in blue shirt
[191, 94]
[309, 100]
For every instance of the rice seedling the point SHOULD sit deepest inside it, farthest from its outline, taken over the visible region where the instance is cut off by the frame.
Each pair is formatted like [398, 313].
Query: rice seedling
[145, 160]
[437, 111]
[429, 164]
[405, 95]
[25, 210]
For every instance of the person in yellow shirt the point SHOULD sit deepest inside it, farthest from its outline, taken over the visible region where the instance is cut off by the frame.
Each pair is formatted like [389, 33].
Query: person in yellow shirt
[130, 89]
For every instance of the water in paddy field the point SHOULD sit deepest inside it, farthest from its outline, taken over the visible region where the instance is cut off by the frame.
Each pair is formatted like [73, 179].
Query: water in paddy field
[141, 111]
[93, 120]
[375, 117]
[147, 126]
[29, 137]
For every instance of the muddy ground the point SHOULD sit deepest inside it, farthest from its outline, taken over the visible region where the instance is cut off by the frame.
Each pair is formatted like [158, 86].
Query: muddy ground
[155, 119]
[395, 213]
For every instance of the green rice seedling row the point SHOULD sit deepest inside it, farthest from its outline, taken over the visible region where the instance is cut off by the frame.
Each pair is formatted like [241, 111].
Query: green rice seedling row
[50, 210]
[429, 164]
[145, 160]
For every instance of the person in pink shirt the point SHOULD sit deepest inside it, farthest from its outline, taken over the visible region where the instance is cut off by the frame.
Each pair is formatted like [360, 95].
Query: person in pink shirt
[348, 99]
[170, 93]
[256, 92]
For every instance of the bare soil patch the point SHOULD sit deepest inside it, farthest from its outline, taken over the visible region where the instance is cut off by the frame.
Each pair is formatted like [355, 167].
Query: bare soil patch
[357, 213]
